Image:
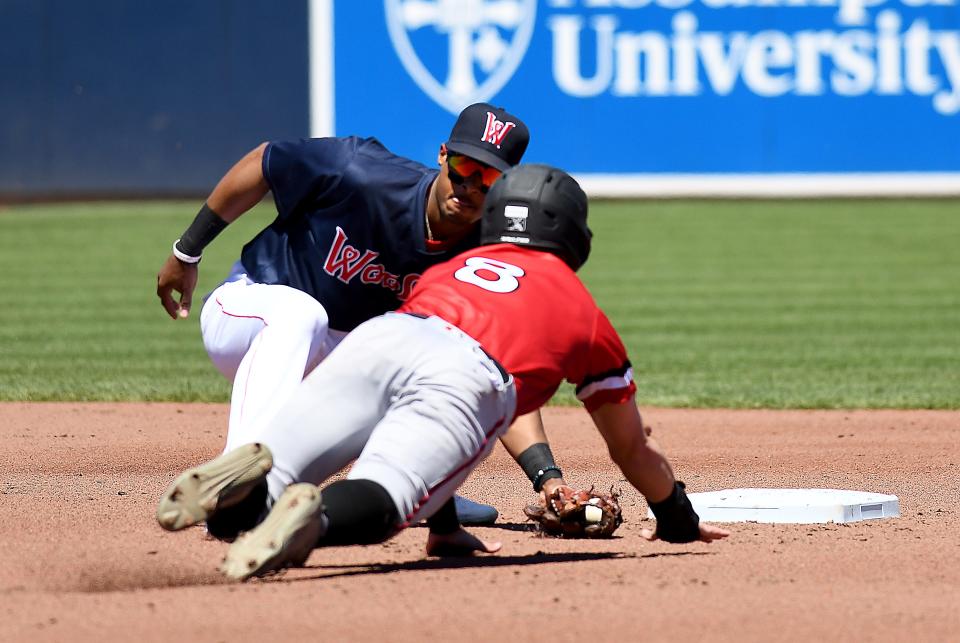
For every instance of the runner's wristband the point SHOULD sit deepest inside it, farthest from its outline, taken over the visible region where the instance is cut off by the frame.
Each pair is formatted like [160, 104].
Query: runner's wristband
[544, 474]
[537, 462]
[204, 229]
[677, 522]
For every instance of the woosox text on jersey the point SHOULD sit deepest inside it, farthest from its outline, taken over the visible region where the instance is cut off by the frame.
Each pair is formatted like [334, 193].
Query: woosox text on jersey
[346, 262]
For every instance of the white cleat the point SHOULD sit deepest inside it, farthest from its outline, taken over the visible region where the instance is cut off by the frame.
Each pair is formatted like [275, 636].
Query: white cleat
[224, 481]
[284, 539]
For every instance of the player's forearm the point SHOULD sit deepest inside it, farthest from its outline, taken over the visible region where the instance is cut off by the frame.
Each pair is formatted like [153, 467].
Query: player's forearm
[526, 441]
[637, 455]
[525, 431]
[241, 188]
[238, 191]
[647, 469]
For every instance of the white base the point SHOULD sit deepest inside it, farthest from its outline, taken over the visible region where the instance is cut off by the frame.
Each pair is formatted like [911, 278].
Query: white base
[792, 505]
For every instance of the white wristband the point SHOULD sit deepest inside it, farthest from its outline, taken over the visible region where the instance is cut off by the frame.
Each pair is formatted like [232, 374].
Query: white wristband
[185, 258]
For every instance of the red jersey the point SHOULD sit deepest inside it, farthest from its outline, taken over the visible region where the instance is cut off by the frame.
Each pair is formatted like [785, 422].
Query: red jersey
[532, 313]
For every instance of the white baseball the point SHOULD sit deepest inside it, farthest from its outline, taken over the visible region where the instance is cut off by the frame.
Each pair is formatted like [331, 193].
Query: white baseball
[592, 513]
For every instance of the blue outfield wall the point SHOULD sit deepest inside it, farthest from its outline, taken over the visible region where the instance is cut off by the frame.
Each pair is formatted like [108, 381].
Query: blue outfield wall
[144, 97]
[160, 97]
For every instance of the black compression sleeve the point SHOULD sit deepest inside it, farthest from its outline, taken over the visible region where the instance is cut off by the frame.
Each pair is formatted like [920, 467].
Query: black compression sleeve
[204, 229]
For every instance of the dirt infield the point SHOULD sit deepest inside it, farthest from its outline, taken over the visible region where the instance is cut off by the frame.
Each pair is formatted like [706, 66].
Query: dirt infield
[83, 560]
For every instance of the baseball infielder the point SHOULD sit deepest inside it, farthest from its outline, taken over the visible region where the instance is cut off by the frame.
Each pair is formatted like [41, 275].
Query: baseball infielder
[418, 397]
[356, 226]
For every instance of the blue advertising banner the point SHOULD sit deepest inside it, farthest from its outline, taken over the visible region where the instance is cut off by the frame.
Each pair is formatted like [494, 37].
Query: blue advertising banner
[635, 97]
[634, 89]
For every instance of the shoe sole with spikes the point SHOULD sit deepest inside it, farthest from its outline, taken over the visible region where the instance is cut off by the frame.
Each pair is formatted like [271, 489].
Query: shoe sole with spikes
[223, 482]
[284, 539]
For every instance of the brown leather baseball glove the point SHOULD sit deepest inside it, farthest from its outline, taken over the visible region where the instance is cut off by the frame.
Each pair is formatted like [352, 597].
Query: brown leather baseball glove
[577, 514]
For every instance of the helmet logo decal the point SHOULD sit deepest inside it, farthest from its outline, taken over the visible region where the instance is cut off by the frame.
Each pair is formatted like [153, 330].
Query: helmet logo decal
[516, 216]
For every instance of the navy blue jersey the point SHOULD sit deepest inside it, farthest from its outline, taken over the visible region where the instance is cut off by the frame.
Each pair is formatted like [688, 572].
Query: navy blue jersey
[350, 227]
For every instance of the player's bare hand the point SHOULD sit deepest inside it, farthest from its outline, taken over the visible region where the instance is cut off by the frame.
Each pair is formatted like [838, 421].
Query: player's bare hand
[552, 485]
[177, 276]
[708, 533]
[459, 543]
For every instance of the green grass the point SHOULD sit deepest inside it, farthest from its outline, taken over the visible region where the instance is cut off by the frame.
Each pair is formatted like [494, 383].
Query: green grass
[81, 319]
[823, 304]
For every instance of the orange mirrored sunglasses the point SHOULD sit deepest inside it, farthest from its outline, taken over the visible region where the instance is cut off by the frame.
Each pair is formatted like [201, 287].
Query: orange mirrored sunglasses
[463, 167]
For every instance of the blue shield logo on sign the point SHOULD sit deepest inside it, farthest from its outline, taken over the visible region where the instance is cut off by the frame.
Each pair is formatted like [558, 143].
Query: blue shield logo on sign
[460, 52]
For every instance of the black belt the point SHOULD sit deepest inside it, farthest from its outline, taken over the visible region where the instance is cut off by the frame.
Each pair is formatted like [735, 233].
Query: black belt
[503, 372]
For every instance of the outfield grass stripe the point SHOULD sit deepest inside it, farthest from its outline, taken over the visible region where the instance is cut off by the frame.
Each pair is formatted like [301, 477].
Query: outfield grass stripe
[834, 304]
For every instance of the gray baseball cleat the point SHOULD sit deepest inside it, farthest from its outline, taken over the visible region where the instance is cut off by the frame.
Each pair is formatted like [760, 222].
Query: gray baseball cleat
[197, 493]
[284, 539]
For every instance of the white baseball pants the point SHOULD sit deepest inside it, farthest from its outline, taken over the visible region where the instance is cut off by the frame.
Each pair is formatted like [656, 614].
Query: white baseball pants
[264, 339]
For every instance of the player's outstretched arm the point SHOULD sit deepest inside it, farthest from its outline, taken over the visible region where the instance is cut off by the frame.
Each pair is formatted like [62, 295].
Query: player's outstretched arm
[241, 188]
[646, 467]
[526, 441]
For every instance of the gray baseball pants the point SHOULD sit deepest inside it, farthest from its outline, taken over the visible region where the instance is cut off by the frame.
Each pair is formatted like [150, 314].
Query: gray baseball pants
[415, 401]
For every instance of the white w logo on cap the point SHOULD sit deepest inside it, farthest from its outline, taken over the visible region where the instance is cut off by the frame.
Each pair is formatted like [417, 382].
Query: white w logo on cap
[495, 130]
[474, 31]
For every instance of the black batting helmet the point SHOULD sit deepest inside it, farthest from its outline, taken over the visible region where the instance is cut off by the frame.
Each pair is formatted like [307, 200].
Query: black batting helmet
[538, 206]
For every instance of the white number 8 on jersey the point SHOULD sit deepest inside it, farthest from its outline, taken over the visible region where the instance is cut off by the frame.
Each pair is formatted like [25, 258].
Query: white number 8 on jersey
[506, 274]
